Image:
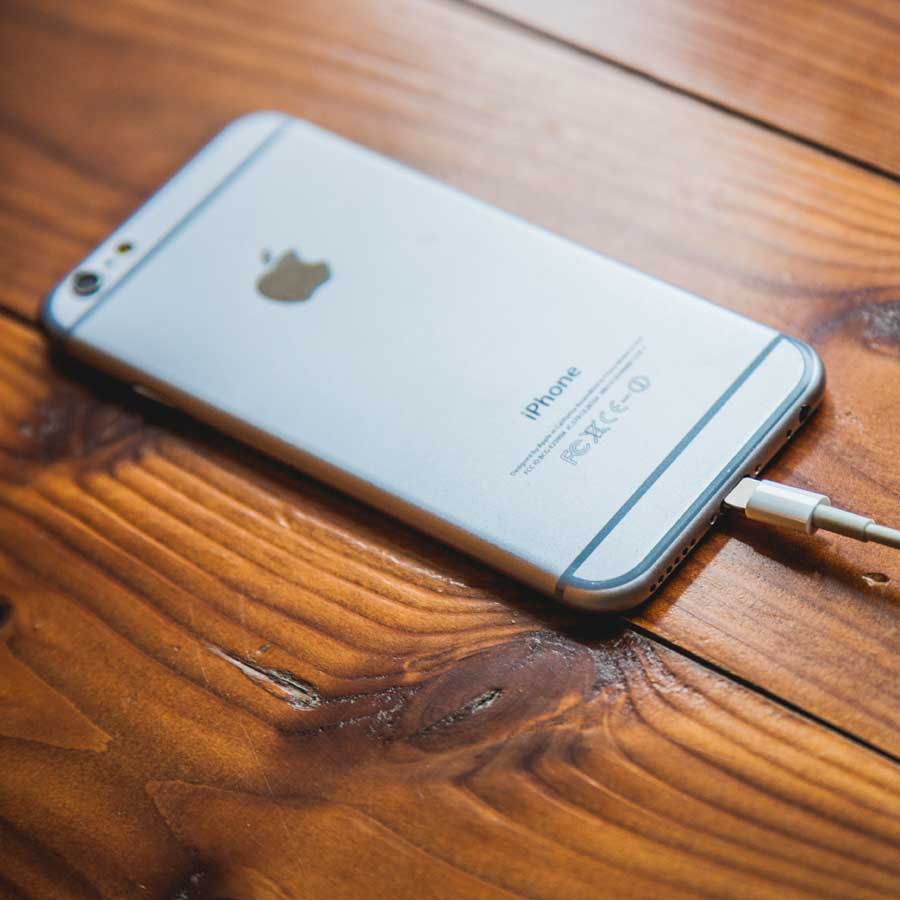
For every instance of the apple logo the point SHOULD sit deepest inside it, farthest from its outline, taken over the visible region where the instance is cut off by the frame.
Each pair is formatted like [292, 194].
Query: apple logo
[290, 278]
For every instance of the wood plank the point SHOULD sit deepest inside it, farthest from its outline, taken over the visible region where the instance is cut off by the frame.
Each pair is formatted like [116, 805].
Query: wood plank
[827, 72]
[748, 218]
[219, 680]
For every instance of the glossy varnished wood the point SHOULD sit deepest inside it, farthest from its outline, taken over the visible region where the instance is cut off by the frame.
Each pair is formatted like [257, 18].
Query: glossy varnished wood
[220, 680]
[826, 72]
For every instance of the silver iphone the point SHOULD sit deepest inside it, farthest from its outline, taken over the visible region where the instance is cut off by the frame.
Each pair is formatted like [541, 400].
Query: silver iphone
[556, 414]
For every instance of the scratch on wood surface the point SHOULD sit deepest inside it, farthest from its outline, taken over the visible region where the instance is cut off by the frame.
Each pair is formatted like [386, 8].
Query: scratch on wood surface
[476, 705]
[882, 322]
[879, 320]
[299, 693]
[870, 578]
[193, 886]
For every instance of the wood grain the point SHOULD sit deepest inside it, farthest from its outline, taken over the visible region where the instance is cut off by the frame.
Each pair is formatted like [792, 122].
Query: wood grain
[220, 680]
[826, 72]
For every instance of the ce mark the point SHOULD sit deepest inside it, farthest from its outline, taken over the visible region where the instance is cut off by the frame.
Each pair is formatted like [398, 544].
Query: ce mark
[592, 434]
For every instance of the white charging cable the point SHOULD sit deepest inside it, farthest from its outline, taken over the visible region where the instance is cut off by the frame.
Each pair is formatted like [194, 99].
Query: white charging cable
[790, 507]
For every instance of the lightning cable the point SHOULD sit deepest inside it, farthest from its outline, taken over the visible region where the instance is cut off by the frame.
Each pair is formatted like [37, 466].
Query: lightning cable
[790, 507]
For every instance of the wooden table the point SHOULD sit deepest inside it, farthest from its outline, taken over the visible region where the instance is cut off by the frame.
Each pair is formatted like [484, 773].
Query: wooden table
[219, 679]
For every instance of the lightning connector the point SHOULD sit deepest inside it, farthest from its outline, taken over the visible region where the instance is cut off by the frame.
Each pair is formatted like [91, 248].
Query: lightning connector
[790, 507]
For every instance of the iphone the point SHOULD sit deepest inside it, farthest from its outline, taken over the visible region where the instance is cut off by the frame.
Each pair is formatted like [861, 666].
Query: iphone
[561, 416]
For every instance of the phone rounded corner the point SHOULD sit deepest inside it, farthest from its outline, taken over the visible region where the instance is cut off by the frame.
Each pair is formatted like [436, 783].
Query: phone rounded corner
[261, 121]
[601, 597]
[619, 594]
[49, 319]
[812, 379]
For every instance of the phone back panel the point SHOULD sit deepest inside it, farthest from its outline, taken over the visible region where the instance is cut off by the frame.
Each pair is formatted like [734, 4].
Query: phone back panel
[558, 412]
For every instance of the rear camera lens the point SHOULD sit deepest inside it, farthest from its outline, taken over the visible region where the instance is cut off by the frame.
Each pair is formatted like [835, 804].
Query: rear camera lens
[86, 282]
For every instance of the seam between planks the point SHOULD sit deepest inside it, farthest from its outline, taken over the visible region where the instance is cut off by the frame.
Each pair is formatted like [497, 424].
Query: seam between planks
[537, 32]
